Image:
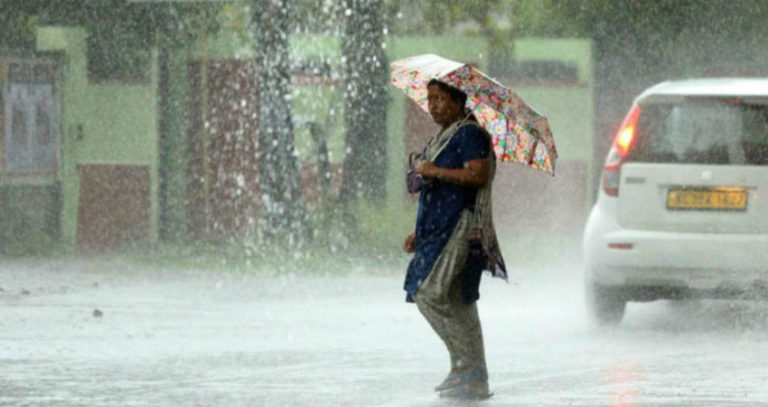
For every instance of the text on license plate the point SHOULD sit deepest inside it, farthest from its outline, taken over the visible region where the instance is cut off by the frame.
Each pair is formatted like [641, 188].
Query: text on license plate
[720, 198]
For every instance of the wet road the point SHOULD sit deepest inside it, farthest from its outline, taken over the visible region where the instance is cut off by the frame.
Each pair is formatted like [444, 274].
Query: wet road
[203, 339]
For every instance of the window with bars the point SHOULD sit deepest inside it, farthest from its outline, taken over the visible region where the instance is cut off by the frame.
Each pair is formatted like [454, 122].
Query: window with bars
[31, 119]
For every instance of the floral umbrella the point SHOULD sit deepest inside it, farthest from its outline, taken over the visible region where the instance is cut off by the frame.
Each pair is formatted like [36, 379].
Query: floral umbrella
[519, 133]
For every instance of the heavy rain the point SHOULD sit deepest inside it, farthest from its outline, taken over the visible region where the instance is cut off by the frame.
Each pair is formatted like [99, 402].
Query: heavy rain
[206, 203]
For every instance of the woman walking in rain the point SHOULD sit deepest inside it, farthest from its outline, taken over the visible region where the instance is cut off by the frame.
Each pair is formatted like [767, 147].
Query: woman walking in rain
[454, 239]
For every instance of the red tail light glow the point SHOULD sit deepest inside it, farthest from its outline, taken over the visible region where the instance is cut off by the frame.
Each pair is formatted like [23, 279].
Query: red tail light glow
[622, 145]
[626, 135]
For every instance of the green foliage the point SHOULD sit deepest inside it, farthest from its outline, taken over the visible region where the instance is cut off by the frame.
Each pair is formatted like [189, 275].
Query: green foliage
[377, 246]
[489, 18]
[114, 56]
[29, 219]
[121, 32]
[315, 16]
[16, 28]
[31, 243]
[667, 37]
[445, 16]
[23, 233]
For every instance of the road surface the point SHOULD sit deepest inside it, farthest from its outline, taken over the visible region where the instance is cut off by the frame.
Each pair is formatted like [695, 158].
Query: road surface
[83, 333]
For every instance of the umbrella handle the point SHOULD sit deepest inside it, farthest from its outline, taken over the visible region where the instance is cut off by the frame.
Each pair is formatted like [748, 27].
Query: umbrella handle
[533, 151]
[411, 158]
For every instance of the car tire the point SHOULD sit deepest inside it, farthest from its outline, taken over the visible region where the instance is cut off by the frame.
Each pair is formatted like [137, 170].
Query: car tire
[605, 305]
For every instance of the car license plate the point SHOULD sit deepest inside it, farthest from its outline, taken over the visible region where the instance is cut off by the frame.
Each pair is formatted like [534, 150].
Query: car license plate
[718, 198]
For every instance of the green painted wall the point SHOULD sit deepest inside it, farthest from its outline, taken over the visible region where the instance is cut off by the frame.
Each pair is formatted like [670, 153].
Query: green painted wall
[569, 108]
[119, 123]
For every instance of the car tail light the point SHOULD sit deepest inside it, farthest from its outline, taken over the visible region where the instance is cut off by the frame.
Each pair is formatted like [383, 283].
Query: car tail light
[622, 145]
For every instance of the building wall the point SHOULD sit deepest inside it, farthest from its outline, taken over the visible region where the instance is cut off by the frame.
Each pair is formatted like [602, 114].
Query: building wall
[560, 204]
[570, 117]
[111, 123]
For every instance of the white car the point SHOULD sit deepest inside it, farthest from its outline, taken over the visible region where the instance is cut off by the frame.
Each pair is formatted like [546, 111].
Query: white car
[682, 210]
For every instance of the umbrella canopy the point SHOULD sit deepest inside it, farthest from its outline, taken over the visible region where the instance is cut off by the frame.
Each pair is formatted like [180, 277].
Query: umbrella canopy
[519, 133]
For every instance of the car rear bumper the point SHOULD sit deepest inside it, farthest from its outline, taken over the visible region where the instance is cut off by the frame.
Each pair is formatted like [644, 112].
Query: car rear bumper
[697, 261]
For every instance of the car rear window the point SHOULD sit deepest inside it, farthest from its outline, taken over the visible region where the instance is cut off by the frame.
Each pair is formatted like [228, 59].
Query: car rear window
[703, 132]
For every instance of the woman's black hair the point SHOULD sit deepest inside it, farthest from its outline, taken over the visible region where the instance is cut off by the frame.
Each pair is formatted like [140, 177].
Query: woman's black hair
[455, 94]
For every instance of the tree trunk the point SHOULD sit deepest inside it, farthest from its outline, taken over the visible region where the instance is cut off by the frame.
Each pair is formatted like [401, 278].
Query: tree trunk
[282, 212]
[365, 73]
